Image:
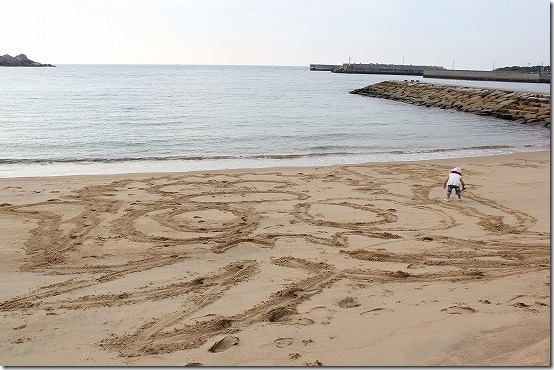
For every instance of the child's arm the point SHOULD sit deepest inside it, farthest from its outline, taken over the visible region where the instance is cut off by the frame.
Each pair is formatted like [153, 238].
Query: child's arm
[463, 185]
[444, 185]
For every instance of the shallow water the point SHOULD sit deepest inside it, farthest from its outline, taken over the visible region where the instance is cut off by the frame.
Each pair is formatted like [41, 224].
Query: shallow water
[95, 119]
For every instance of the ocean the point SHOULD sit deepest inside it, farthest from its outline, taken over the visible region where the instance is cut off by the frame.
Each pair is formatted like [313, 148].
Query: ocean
[109, 119]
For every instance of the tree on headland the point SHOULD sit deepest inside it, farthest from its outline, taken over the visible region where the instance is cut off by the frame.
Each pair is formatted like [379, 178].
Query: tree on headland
[533, 69]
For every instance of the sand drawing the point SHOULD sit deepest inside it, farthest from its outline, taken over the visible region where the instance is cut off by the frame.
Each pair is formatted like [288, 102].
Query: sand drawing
[356, 228]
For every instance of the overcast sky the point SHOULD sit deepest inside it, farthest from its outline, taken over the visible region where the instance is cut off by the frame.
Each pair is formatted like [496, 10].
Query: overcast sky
[472, 34]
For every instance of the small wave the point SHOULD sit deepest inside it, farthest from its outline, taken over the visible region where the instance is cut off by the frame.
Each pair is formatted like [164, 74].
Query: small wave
[103, 160]
[285, 156]
[338, 148]
[303, 155]
[445, 150]
[164, 158]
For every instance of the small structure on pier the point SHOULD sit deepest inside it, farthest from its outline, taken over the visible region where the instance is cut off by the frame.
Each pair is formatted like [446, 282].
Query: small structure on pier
[385, 69]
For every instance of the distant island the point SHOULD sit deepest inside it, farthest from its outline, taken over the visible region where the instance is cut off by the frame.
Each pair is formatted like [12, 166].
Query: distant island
[20, 60]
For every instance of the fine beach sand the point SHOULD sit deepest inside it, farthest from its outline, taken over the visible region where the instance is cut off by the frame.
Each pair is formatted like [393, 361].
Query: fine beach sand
[334, 266]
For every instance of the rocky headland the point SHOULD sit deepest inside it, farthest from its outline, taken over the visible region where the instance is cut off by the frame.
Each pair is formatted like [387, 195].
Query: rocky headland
[518, 106]
[20, 60]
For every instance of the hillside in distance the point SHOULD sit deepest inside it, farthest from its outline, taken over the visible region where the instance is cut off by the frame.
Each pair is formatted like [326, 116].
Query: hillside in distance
[20, 60]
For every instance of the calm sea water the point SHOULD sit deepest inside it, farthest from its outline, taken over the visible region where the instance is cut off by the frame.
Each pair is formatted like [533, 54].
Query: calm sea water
[101, 119]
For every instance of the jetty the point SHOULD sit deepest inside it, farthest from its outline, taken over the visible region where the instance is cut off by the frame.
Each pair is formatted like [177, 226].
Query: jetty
[324, 67]
[386, 69]
[375, 68]
[506, 76]
[432, 72]
[519, 106]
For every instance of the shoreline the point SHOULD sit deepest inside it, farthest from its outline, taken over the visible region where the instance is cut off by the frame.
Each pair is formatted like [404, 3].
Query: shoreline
[341, 265]
[252, 167]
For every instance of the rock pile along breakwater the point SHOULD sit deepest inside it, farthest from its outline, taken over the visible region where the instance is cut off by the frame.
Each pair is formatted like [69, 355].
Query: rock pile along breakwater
[523, 107]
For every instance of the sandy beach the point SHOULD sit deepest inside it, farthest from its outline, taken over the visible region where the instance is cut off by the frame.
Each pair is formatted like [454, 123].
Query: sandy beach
[345, 265]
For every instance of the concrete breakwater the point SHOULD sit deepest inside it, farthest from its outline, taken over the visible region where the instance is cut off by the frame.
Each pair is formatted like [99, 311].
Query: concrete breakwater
[488, 76]
[523, 107]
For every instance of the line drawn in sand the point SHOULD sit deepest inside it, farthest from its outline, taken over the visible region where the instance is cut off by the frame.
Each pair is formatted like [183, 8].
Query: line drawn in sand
[169, 223]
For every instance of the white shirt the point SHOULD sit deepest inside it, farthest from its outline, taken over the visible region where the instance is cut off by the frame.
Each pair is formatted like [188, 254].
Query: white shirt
[454, 179]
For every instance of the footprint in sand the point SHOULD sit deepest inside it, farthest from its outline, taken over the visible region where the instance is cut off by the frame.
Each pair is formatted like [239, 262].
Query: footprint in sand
[283, 342]
[224, 344]
[315, 363]
[322, 314]
[348, 302]
[377, 311]
[458, 310]
[522, 300]
[382, 293]
[304, 321]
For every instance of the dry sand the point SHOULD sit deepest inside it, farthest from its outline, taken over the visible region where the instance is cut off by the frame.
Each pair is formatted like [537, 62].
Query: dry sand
[343, 265]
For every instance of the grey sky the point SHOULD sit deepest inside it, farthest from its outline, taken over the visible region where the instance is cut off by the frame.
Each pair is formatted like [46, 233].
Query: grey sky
[475, 34]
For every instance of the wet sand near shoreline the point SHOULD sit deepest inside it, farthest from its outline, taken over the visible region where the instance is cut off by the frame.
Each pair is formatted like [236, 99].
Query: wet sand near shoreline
[346, 265]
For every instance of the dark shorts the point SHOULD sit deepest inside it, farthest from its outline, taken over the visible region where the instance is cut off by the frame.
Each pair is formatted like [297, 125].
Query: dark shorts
[457, 188]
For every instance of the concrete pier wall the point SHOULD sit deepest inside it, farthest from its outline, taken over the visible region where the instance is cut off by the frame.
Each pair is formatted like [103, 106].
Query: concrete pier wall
[432, 72]
[518, 106]
[487, 76]
[323, 67]
[385, 69]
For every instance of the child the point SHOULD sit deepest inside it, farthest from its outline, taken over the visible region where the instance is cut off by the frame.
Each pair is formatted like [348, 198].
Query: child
[454, 181]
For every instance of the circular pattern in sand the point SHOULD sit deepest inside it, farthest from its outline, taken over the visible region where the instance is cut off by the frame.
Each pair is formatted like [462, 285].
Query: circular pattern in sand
[188, 243]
